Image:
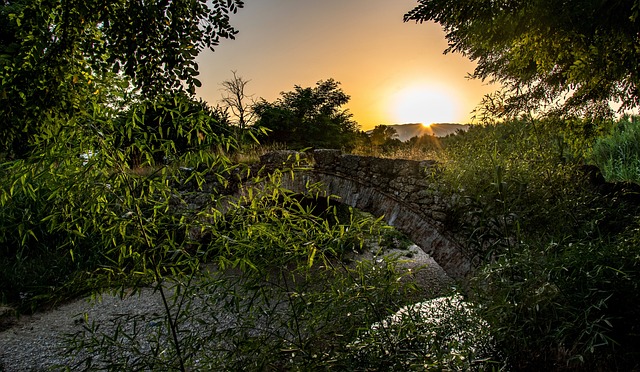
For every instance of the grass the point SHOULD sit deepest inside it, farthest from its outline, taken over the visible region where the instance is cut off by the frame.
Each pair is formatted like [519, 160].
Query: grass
[251, 153]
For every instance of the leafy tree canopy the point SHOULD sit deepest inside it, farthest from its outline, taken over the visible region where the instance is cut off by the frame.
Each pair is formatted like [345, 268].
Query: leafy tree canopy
[309, 117]
[382, 134]
[56, 56]
[575, 56]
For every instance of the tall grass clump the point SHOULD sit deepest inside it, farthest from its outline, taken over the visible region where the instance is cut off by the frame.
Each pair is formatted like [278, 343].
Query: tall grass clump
[617, 155]
[557, 267]
[510, 177]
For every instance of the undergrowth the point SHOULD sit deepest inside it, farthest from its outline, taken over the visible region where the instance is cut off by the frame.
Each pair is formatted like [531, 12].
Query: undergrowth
[559, 266]
[555, 246]
[618, 153]
[278, 295]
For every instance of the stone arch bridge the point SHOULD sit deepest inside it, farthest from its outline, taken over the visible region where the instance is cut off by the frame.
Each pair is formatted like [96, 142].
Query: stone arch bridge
[400, 190]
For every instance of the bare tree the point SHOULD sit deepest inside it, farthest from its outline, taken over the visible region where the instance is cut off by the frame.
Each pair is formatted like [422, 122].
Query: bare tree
[235, 98]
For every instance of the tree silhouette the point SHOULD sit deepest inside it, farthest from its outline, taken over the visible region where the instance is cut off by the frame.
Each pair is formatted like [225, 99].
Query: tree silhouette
[574, 56]
[58, 57]
[382, 134]
[235, 98]
[308, 117]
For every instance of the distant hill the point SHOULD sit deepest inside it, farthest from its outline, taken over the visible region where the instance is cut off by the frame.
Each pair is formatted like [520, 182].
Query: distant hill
[406, 131]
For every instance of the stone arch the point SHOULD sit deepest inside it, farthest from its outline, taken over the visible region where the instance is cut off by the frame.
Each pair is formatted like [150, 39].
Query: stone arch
[379, 190]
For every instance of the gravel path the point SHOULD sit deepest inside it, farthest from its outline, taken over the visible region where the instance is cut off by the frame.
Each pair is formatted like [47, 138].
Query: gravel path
[35, 343]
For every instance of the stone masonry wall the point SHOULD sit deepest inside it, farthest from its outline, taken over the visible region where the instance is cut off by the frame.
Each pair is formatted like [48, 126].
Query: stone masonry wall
[403, 191]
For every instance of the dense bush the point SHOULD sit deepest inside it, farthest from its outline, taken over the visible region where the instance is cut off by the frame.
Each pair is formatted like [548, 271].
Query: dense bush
[46, 233]
[80, 206]
[618, 154]
[566, 305]
[308, 117]
[559, 270]
[167, 126]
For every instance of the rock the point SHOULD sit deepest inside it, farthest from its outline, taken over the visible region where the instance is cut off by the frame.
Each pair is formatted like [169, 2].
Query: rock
[325, 157]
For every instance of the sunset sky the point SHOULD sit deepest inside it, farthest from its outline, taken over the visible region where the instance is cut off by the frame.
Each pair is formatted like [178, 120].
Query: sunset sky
[395, 72]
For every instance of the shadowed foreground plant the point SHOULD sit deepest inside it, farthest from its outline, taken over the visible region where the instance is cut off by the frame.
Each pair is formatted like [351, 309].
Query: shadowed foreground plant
[566, 303]
[273, 307]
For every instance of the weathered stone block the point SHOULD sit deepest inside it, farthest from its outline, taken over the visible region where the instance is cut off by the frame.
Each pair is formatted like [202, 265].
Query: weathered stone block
[425, 201]
[325, 158]
[439, 216]
[403, 191]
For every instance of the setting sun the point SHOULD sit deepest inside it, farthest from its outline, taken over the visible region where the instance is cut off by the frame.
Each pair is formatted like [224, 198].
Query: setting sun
[424, 104]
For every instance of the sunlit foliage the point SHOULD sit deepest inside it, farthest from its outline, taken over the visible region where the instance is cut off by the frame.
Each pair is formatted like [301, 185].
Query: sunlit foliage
[309, 117]
[618, 154]
[57, 56]
[578, 54]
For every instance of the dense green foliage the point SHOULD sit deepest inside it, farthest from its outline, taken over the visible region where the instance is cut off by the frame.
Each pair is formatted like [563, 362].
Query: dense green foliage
[56, 57]
[102, 187]
[83, 214]
[72, 225]
[580, 54]
[559, 270]
[287, 299]
[618, 154]
[168, 125]
[308, 117]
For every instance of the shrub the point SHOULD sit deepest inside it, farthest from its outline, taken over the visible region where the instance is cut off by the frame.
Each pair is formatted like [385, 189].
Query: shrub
[555, 257]
[278, 298]
[45, 232]
[508, 179]
[618, 154]
[165, 127]
[566, 305]
[64, 218]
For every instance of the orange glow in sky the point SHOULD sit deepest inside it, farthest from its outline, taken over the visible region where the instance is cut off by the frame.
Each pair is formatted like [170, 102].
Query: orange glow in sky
[395, 72]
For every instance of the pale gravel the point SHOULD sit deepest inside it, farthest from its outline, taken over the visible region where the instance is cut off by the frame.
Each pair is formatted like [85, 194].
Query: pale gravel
[35, 343]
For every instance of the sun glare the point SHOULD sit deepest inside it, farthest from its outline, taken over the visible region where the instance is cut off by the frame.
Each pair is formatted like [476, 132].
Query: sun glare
[424, 104]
